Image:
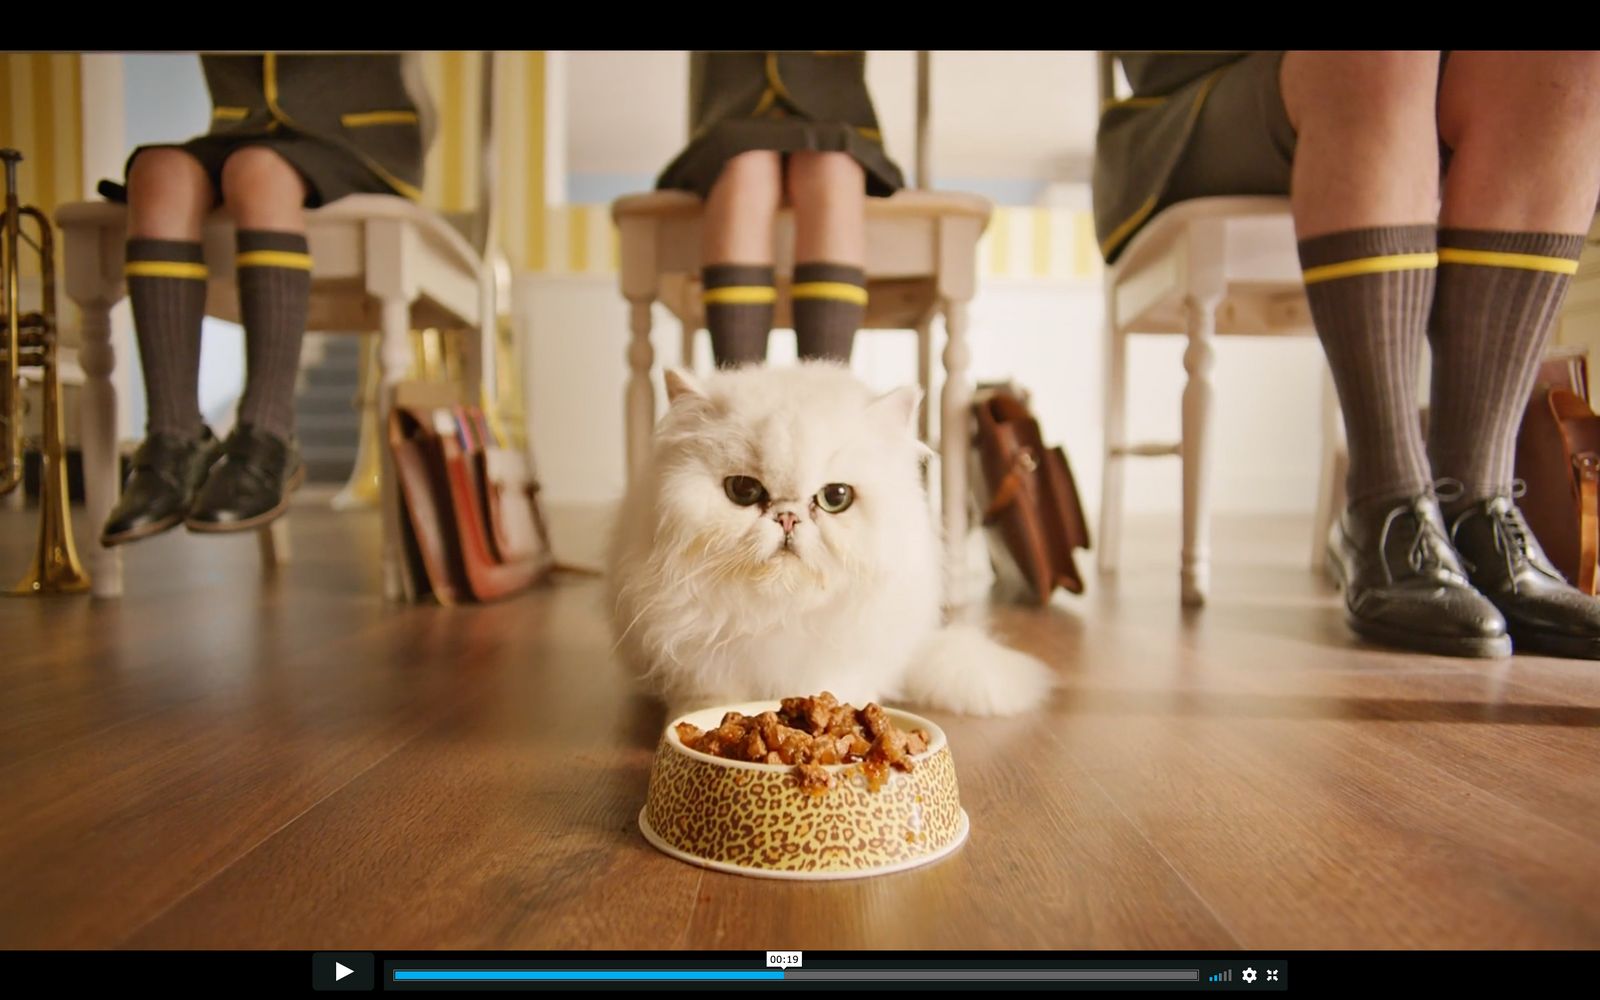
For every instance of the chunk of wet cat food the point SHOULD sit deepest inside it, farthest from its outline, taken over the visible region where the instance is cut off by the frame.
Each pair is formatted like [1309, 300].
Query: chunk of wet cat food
[875, 721]
[813, 779]
[810, 734]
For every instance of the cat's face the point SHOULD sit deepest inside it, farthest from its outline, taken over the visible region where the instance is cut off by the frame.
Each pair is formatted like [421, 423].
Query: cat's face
[786, 483]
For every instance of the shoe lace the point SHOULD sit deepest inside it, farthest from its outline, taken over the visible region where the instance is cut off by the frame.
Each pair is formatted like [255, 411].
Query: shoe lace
[1509, 530]
[1430, 546]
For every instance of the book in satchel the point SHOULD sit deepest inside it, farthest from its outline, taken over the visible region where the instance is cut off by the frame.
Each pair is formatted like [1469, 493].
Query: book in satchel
[1558, 460]
[1026, 497]
[470, 513]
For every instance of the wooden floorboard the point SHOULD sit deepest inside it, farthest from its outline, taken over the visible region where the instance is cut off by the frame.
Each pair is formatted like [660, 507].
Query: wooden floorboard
[225, 760]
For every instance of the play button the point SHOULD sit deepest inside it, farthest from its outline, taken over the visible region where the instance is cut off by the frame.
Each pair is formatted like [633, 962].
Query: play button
[342, 970]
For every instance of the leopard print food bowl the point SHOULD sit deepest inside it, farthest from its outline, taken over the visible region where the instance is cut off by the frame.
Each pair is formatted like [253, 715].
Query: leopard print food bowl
[754, 819]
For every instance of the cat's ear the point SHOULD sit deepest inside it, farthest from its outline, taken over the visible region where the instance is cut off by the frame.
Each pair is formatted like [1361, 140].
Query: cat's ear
[899, 406]
[682, 386]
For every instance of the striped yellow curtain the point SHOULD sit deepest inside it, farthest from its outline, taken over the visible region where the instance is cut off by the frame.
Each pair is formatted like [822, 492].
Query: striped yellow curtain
[41, 115]
[1022, 242]
[581, 239]
[1039, 243]
[452, 176]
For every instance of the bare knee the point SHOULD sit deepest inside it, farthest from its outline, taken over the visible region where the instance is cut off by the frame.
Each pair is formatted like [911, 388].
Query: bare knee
[816, 177]
[257, 178]
[169, 195]
[1378, 94]
[1521, 97]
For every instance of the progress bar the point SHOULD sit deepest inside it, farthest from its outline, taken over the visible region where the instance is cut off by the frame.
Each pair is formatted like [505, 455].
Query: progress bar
[836, 975]
[1019, 975]
[580, 975]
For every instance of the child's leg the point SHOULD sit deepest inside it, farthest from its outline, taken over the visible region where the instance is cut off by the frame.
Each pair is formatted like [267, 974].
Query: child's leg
[828, 191]
[260, 465]
[737, 275]
[169, 195]
[266, 197]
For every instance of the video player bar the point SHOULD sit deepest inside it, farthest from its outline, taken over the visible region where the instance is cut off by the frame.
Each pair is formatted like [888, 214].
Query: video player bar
[836, 975]
[781, 970]
[281, 973]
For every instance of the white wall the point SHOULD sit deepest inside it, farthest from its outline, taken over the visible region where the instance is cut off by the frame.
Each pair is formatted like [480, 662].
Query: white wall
[1047, 336]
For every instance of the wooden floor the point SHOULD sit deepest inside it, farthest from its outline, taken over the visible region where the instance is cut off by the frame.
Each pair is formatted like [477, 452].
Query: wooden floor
[223, 761]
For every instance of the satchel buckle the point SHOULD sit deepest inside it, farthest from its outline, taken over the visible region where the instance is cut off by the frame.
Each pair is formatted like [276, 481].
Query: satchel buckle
[1587, 464]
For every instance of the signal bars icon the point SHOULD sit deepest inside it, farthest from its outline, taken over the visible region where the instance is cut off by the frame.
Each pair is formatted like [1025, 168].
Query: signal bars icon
[1225, 976]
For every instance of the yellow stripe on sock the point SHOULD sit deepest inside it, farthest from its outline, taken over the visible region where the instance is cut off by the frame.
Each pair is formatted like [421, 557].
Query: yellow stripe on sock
[274, 258]
[164, 269]
[840, 291]
[1372, 265]
[740, 295]
[1520, 261]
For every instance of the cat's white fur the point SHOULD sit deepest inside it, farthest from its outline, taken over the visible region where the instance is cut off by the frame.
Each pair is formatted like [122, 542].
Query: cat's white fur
[710, 608]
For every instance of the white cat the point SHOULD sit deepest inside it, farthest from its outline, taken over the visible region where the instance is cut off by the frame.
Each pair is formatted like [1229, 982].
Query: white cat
[780, 544]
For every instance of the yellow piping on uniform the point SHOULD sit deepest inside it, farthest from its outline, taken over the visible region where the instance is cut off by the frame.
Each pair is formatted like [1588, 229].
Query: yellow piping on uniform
[269, 80]
[1137, 219]
[1133, 222]
[362, 119]
[774, 80]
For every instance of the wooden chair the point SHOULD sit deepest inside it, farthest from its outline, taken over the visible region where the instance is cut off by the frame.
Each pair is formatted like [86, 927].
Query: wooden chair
[1202, 269]
[380, 262]
[921, 262]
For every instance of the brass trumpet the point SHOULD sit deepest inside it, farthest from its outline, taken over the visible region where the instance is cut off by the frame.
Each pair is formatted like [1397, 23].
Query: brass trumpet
[30, 342]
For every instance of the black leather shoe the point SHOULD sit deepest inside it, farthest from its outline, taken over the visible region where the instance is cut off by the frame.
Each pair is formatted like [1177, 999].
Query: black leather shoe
[167, 472]
[250, 486]
[1403, 584]
[1543, 613]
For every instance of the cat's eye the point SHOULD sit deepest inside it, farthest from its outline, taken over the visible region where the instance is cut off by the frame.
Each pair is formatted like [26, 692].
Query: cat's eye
[835, 497]
[744, 490]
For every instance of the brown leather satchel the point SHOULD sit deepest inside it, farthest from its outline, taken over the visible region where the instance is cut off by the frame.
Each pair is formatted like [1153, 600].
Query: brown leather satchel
[1026, 496]
[470, 508]
[1558, 458]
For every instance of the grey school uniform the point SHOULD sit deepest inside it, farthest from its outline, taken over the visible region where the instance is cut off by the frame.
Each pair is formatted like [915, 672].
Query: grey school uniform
[1198, 124]
[786, 102]
[347, 122]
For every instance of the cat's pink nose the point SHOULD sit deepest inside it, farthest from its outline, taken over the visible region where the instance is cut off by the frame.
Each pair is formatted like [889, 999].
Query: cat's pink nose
[788, 520]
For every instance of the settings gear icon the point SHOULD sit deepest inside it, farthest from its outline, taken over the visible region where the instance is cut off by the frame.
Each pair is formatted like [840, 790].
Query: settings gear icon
[1249, 975]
